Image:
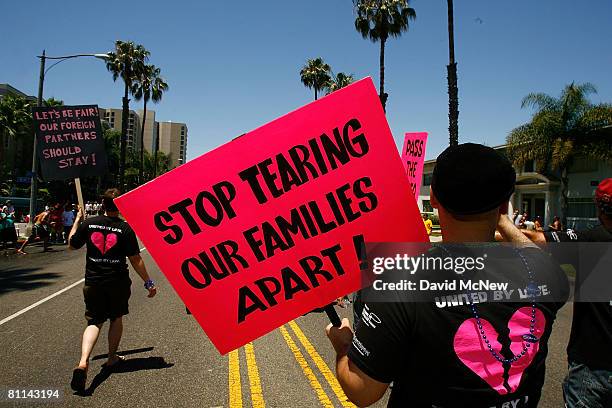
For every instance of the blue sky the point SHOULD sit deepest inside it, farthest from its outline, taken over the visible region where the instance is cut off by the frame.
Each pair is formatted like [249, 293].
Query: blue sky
[233, 66]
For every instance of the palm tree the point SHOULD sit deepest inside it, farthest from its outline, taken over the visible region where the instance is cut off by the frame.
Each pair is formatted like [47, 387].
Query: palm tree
[148, 86]
[453, 91]
[54, 102]
[315, 75]
[560, 130]
[160, 161]
[126, 62]
[378, 20]
[15, 121]
[340, 80]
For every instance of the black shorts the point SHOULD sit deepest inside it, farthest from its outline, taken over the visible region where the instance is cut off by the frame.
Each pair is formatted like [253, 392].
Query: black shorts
[106, 301]
[38, 231]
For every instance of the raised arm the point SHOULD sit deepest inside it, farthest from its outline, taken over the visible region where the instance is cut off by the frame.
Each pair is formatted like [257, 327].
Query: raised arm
[511, 233]
[75, 227]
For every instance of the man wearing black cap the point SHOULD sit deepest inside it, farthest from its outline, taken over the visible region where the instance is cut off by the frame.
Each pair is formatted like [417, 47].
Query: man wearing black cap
[439, 355]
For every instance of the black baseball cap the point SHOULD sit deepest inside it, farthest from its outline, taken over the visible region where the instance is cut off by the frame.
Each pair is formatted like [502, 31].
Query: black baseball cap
[472, 179]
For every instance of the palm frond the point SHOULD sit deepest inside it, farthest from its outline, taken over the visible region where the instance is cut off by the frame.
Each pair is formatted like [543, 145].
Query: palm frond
[315, 73]
[380, 19]
[539, 101]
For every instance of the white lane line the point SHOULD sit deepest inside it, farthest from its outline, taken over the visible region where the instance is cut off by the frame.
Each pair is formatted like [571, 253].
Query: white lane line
[40, 302]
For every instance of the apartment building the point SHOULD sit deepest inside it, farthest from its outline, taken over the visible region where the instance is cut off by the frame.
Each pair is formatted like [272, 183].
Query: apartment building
[171, 137]
[173, 141]
[114, 116]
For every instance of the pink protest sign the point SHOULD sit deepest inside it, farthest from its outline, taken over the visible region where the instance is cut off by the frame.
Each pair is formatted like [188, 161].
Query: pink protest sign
[262, 229]
[413, 157]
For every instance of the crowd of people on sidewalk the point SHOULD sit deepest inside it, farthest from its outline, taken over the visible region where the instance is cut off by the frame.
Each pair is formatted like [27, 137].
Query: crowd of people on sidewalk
[8, 233]
[50, 226]
[522, 221]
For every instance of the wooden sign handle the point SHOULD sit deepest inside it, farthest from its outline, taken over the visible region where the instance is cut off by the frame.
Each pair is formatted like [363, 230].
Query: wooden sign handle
[77, 184]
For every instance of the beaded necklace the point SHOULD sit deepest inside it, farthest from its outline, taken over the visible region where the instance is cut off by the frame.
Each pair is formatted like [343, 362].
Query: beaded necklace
[530, 337]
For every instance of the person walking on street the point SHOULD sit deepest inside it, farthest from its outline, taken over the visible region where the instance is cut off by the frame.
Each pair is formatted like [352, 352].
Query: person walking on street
[40, 231]
[109, 240]
[7, 227]
[67, 221]
[556, 224]
[458, 354]
[55, 222]
[589, 378]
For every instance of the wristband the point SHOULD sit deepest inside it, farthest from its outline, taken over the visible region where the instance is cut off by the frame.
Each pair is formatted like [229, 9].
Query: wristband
[149, 284]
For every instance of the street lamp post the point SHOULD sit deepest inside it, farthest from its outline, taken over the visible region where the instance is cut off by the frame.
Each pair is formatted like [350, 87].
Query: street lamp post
[40, 102]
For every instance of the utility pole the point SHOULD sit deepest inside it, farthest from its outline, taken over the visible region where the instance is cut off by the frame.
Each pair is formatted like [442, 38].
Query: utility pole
[34, 182]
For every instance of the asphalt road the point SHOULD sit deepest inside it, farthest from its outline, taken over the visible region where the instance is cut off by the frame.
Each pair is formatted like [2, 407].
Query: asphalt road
[171, 362]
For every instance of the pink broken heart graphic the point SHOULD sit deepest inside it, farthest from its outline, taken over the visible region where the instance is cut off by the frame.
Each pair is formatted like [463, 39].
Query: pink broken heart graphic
[474, 353]
[103, 243]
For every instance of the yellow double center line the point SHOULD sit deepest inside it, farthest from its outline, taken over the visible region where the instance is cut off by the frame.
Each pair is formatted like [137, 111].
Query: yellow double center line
[257, 400]
[235, 384]
[321, 365]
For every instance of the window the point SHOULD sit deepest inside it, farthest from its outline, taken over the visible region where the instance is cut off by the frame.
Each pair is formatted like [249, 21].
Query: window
[427, 206]
[582, 207]
[427, 179]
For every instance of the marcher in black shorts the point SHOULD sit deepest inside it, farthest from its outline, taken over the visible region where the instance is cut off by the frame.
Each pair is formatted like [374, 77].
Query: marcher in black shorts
[40, 231]
[107, 288]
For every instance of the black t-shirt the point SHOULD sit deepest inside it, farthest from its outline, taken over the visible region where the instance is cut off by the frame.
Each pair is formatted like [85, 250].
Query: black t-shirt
[591, 338]
[109, 241]
[434, 352]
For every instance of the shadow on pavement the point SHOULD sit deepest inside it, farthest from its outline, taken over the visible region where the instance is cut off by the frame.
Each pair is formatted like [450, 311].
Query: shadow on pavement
[128, 366]
[124, 353]
[25, 279]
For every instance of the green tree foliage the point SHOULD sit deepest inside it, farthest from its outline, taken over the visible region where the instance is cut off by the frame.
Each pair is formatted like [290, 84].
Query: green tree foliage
[315, 74]
[132, 172]
[54, 102]
[15, 129]
[561, 129]
[377, 20]
[338, 81]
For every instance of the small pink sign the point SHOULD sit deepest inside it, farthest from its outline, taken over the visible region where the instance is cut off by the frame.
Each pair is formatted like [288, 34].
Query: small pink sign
[413, 157]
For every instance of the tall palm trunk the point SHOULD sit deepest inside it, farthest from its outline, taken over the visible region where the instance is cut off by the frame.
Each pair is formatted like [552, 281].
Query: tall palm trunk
[382, 95]
[564, 191]
[453, 92]
[124, 127]
[144, 121]
[315, 89]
